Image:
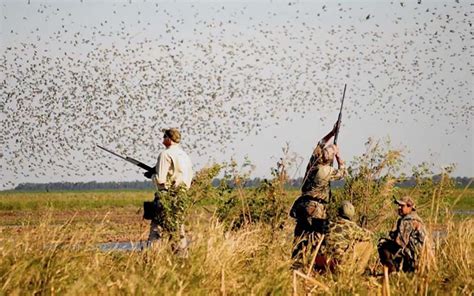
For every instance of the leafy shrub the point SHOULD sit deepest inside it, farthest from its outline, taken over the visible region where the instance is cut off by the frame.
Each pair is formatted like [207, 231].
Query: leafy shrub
[264, 204]
[370, 184]
[202, 189]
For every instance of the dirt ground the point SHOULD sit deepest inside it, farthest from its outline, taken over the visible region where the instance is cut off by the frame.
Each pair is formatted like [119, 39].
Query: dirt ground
[111, 224]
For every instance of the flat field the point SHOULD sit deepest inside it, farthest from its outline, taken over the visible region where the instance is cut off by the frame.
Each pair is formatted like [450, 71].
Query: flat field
[49, 244]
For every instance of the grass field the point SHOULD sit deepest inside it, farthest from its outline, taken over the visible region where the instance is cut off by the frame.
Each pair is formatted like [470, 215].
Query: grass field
[48, 245]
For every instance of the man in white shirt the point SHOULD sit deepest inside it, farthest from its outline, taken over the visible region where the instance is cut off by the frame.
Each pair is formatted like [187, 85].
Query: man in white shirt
[172, 177]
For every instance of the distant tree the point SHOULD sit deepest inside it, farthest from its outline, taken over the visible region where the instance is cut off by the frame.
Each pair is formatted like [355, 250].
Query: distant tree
[460, 182]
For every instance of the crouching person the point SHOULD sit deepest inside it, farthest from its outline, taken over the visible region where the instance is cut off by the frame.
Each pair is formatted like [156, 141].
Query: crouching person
[347, 245]
[403, 247]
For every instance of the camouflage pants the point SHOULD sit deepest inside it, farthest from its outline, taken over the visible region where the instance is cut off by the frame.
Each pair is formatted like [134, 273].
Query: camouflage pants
[310, 215]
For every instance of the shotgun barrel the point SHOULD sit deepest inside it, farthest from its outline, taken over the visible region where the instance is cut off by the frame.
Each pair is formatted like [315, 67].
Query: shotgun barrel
[131, 160]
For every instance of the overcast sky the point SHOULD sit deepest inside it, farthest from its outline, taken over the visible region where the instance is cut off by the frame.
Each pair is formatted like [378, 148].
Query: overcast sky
[407, 66]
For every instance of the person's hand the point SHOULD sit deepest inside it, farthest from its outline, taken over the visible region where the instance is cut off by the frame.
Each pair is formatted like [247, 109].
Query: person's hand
[392, 234]
[336, 150]
[148, 174]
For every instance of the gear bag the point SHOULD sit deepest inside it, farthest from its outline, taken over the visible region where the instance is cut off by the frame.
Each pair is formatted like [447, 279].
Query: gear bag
[149, 210]
[152, 209]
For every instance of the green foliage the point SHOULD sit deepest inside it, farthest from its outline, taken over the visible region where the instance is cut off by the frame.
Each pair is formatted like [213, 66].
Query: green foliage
[232, 205]
[265, 204]
[202, 189]
[176, 203]
[371, 187]
[370, 184]
[433, 192]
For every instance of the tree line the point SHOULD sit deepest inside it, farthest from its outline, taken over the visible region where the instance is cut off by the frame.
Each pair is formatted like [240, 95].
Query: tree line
[147, 185]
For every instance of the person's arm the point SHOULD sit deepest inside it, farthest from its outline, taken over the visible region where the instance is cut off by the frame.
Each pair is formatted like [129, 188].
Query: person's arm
[162, 168]
[328, 137]
[403, 235]
[393, 232]
[315, 156]
[340, 162]
[341, 171]
[318, 150]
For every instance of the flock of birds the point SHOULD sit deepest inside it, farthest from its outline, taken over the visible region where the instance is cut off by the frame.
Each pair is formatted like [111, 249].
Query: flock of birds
[217, 75]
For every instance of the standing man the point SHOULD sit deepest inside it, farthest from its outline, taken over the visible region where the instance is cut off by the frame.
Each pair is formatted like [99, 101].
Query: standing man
[406, 239]
[172, 178]
[309, 209]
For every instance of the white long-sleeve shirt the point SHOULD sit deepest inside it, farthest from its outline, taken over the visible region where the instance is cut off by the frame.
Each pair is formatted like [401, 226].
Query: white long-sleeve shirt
[173, 166]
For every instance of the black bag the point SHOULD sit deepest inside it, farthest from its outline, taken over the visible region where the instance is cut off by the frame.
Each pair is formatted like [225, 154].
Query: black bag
[149, 210]
[295, 208]
[153, 210]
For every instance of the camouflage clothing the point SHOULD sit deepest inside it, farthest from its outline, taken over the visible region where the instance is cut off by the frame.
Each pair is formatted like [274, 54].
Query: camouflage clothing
[316, 187]
[311, 221]
[318, 179]
[405, 243]
[343, 234]
[318, 175]
[305, 208]
[309, 209]
[410, 235]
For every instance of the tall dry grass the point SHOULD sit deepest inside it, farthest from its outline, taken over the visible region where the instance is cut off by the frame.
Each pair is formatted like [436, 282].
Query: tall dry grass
[51, 260]
[254, 260]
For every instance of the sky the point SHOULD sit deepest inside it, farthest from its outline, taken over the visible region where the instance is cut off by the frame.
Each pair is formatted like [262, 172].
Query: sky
[241, 79]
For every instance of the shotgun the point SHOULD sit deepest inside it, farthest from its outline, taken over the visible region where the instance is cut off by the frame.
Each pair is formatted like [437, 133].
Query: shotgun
[131, 160]
[339, 118]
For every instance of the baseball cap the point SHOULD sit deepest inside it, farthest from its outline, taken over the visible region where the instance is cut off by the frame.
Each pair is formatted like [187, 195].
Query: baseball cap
[347, 210]
[173, 134]
[406, 200]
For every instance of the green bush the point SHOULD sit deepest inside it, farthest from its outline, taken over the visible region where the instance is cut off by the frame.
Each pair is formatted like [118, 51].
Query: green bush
[266, 204]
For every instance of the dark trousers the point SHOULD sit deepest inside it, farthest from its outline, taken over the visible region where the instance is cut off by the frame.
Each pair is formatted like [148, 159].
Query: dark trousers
[307, 232]
[311, 223]
[156, 221]
[391, 255]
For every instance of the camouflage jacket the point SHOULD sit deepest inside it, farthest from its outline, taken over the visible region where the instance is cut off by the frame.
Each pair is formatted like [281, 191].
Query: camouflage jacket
[318, 176]
[343, 234]
[409, 233]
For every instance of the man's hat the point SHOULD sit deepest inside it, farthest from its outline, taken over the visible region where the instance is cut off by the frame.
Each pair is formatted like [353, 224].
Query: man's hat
[406, 200]
[346, 210]
[173, 134]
